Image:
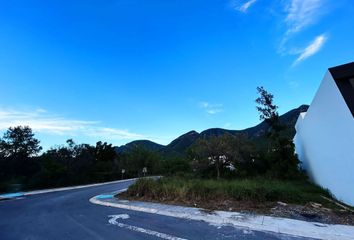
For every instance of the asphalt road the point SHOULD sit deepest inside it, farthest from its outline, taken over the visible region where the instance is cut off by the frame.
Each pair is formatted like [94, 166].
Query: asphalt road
[70, 215]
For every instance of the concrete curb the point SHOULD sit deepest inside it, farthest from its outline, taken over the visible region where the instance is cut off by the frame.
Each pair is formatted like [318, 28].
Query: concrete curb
[21, 194]
[221, 218]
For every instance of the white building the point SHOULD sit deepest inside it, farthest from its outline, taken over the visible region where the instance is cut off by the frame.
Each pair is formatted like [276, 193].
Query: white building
[324, 137]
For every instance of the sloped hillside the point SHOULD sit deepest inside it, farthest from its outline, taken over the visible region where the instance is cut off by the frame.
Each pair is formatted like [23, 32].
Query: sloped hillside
[180, 145]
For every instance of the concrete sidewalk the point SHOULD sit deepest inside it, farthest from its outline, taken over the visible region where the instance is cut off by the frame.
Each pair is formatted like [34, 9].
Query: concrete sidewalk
[222, 218]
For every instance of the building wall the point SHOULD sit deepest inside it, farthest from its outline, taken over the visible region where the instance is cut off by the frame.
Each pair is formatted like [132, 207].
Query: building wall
[325, 141]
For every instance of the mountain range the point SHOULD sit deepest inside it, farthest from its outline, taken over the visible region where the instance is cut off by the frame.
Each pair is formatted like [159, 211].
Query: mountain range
[179, 146]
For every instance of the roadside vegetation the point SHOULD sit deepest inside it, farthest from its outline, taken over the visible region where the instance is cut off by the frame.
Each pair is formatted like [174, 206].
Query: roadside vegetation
[298, 199]
[230, 171]
[23, 166]
[202, 192]
[234, 172]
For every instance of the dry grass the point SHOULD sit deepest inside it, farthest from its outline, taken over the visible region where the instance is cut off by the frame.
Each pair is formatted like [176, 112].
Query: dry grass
[258, 190]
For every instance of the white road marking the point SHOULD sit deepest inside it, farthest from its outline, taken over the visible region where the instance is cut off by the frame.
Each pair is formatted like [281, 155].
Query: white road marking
[120, 216]
[113, 220]
[74, 187]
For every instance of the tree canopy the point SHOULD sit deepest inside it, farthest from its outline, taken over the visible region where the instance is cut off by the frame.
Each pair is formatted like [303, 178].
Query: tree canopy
[19, 142]
[281, 158]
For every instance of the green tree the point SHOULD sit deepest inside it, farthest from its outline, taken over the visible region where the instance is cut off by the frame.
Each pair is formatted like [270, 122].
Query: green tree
[104, 152]
[19, 142]
[231, 152]
[18, 161]
[176, 166]
[76, 161]
[283, 161]
[106, 165]
[268, 112]
[135, 160]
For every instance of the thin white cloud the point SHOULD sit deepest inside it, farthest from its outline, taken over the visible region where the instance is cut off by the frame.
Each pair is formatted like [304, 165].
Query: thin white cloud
[245, 6]
[301, 13]
[113, 133]
[211, 108]
[43, 122]
[311, 49]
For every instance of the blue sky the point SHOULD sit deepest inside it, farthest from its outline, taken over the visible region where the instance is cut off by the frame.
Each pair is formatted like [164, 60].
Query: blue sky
[134, 69]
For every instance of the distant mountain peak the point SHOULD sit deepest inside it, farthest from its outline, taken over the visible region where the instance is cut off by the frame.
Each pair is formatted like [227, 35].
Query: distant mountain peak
[179, 146]
[147, 144]
[190, 133]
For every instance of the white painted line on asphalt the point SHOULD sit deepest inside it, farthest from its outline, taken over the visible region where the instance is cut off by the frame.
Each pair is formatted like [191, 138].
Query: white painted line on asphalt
[20, 194]
[113, 220]
[119, 216]
[74, 187]
[257, 223]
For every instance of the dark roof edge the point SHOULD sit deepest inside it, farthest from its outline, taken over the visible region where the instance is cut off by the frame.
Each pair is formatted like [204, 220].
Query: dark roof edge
[341, 75]
[342, 71]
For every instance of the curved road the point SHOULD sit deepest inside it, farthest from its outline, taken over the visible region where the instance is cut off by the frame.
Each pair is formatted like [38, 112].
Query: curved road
[70, 215]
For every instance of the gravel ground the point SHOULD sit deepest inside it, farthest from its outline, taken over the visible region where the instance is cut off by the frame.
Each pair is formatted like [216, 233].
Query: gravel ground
[312, 212]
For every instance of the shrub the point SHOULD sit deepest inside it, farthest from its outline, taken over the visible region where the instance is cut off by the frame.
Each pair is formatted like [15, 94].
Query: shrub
[256, 190]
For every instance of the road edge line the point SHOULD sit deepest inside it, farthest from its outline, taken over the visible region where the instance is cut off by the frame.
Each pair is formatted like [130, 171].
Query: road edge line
[49, 190]
[271, 227]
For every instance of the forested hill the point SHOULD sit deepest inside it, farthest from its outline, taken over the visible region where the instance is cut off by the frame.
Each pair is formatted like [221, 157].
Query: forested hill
[183, 142]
